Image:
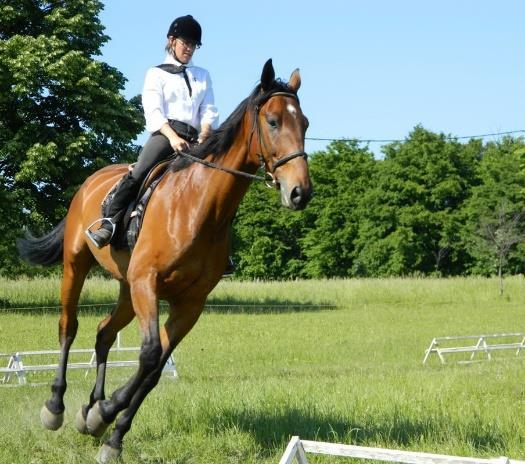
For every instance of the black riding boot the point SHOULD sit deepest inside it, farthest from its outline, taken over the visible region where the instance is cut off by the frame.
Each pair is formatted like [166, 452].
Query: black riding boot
[126, 191]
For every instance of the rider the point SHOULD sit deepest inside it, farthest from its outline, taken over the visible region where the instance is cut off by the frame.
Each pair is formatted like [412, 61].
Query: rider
[178, 101]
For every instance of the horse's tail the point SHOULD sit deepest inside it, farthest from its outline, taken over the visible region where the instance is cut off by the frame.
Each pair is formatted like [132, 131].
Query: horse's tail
[46, 250]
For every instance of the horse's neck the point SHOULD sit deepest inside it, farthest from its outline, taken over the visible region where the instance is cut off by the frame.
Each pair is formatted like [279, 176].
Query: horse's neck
[215, 193]
[227, 189]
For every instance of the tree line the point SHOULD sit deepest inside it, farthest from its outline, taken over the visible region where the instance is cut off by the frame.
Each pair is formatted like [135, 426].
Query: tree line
[429, 206]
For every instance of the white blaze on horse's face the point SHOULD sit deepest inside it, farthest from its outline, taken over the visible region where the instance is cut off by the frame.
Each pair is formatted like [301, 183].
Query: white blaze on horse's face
[292, 176]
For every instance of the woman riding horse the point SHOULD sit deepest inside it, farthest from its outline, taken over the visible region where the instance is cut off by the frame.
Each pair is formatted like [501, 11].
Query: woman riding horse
[181, 251]
[178, 100]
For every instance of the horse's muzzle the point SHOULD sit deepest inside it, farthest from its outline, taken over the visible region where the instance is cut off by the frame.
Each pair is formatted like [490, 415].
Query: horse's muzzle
[297, 197]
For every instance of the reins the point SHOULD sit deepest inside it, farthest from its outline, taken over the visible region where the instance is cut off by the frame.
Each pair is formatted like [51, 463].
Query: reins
[275, 165]
[212, 165]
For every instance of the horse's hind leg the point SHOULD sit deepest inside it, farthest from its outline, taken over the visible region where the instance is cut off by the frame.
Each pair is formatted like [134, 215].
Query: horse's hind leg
[76, 267]
[107, 332]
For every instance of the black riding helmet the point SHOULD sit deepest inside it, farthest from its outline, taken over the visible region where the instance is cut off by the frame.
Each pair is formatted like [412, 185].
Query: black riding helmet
[186, 27]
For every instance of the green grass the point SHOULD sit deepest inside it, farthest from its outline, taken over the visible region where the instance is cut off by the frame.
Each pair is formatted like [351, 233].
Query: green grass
[250, 378]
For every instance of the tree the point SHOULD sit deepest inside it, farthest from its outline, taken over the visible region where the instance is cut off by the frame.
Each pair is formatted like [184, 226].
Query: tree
[409, 222]
[267, 237]
[273, 242]
[493, 212]
[500, 234]
[62, 114]
[340, 176]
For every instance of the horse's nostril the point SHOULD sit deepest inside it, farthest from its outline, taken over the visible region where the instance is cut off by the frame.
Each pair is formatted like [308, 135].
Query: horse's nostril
[296, 196]
[299, 197]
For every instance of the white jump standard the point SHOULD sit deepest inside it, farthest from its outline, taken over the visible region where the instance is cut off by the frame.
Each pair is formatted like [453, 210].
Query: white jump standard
[485, 344]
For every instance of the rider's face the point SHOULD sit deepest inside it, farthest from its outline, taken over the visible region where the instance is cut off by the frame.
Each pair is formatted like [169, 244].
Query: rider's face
[183, 49]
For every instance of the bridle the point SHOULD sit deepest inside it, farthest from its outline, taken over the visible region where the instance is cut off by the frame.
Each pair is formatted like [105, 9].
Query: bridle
[256, 129]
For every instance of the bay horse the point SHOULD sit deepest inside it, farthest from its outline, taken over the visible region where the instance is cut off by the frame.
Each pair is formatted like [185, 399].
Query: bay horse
[181, 252]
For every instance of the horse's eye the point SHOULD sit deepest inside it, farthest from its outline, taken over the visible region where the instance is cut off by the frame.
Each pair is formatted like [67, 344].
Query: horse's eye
[272, 122]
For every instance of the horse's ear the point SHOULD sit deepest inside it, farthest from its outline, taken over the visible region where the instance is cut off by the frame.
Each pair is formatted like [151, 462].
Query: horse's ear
[268, 75]
[295, 80]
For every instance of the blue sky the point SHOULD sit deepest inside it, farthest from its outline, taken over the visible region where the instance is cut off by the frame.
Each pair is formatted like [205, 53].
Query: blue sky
[370, 69]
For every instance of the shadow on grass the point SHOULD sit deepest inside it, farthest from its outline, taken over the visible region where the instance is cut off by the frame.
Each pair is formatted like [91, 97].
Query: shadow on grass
[264, 306]
[273, 431]
[213, 305]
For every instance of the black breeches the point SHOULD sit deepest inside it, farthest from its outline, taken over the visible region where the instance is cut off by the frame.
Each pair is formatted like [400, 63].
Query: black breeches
[156, 149]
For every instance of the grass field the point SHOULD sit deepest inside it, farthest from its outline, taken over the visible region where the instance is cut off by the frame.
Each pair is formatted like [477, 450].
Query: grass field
[249, 379]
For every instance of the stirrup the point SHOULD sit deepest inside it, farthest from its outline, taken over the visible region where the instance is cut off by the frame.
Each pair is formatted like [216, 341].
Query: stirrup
[88, 231]
[230, 268]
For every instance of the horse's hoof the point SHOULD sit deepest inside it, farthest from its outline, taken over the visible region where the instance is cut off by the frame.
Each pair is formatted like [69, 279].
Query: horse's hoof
[80, 422]
[106, 454]
[50, 420]
[94, 422]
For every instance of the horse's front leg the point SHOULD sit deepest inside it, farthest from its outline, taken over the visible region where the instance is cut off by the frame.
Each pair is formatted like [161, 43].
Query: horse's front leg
[107, 332]
[180, 321]
[145, 303]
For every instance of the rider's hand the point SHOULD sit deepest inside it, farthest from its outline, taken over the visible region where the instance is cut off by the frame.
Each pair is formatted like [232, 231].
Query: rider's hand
[179, 144]
[176, 142]
[205, 133]
[203, 137]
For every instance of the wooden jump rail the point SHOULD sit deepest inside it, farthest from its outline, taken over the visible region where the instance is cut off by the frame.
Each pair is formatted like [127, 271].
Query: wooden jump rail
[17, 366]
[484, 344]
[297, 449]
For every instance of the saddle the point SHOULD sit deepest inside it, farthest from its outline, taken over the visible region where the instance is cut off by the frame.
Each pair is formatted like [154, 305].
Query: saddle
[128, 227]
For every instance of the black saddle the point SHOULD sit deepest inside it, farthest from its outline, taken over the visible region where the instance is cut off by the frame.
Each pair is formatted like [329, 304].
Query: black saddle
[128, 227]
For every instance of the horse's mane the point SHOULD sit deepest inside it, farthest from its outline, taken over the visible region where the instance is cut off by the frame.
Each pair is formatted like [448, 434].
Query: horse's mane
[221, 139]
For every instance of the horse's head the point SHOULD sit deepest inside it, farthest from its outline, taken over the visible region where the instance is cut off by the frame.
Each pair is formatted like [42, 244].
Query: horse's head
[281, 128]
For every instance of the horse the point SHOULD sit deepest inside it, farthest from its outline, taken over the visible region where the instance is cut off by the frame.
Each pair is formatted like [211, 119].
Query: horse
[181, 251]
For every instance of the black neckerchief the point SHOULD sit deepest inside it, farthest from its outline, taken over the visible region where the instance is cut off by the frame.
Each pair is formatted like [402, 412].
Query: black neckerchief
[174, 69]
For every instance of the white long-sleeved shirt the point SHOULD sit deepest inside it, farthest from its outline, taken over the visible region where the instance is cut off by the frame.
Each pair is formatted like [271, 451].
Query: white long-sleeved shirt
[166, 96]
